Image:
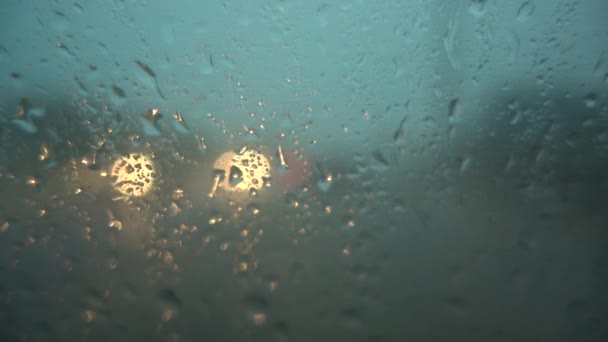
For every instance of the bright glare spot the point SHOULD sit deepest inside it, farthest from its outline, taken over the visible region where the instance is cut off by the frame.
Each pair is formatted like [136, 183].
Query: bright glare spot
[116, 224]
[31, 181]
[259, 318]
[241, 171]
[133, 174]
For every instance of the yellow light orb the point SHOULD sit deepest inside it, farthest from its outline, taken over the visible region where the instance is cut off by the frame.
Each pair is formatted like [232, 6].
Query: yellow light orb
[243, 171]
[133, 174]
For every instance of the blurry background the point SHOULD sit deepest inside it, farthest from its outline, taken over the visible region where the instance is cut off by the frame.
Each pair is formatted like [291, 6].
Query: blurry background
[459, 153]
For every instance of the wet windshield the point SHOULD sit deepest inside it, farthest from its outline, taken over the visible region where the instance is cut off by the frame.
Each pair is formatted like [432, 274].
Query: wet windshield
[303, 171]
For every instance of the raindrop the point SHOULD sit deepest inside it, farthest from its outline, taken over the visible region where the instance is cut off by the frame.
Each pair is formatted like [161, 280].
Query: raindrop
[464, 164]
[282, 328]
[116, 224]
[236, 176]
[170, 304]
[173, 209]
[4, 55]
[476, 7]
[242, 267]
[525, 10]
[515, 117]
[215, 219]
[259, 318]
[254, 209]
[399, 134]
[590, 100]
[352, 317]
[273, 285]
[151, 122]
[90, 160]
[456, 304]
[30, 240]
[119, 92]
[588, 123]
[178, 193]
[33, 182]
[252, 134]
[4, 226]
[324, 184]
[253, 192]
[201, 142]
[83, 88]
[256, 302]
[218, 178]
[112, 221]
[383, 162]
[112, 263]
[454, 111]
[148, 70]
[65, 50]
[180, 123]
[224, 246]
[86, 232]
[44, 153]
[88, 315]
[350, 223]
[25, 125]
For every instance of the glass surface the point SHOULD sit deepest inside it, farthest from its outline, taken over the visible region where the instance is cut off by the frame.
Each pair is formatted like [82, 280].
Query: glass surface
[288, 170]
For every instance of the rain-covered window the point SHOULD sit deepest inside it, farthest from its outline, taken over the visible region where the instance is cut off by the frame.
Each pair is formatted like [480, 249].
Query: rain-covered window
[285, 170]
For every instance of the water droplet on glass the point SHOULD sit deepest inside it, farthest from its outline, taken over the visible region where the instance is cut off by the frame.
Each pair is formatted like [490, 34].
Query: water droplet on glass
[170, 304]
[90, 160]
[259, 318]
[525, 10]
[173, 209]
[464, 164]
[590, 100]
[178, 193]
[44, 153]
[215, 219]
[115, 224]
[31, 181]
[454, 111]
[88, 315]
[253, 192]
[351, 317]
[112, 263]
[476, 8]
[236, 176]
[254, 209]
[4, 226]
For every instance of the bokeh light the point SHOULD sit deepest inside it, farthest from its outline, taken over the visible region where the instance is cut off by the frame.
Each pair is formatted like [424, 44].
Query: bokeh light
[134, 174]
[249, 169]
